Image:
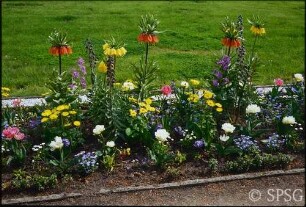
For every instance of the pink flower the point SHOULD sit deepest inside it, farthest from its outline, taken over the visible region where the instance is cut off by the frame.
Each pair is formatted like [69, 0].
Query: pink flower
[166, 90]
[12, 132]
[19, 136]
[278, 82]
[16, 102]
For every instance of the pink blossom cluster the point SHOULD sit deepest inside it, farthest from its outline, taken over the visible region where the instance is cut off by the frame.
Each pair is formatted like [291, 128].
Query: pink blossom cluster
[13, 133]
[166, 90]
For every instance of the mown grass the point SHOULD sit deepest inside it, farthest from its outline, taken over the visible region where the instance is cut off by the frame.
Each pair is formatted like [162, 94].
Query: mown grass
[188, 48]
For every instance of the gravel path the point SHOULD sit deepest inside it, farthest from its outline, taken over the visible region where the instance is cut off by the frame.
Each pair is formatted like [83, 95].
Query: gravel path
[285, 190]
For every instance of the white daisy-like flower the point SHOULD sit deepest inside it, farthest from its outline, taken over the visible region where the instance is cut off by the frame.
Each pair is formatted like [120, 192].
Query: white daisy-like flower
[228, 128]
[252, 109]
[162, 135]
[224, 137]
[289, 120]
[98, 129]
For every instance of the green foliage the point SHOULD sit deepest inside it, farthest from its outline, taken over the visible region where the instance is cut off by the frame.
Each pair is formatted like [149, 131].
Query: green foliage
[144, 75]
[60, 93]
[22, 180]
[160, 154]
[213, 164]
[247, 162]
[31, 66]
[109, 107]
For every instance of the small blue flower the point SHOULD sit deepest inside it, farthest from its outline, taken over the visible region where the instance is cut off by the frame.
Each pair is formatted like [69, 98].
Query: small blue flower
[199, 144]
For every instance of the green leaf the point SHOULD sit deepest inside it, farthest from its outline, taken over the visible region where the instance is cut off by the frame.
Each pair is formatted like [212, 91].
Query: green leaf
[128, 131]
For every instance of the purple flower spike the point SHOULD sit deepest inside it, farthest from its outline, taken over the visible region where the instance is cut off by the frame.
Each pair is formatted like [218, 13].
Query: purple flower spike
[75, 74]
[83, 82]
[215, 83]
[218, 74]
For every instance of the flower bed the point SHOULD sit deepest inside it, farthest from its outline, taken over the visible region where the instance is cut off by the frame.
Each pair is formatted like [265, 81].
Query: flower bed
[216, 124]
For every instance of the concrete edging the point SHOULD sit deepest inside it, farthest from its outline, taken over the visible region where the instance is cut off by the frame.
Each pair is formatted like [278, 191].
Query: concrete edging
[157, 186]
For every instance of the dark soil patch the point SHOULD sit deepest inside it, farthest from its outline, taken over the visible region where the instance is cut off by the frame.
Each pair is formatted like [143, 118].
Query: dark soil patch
[131, 173]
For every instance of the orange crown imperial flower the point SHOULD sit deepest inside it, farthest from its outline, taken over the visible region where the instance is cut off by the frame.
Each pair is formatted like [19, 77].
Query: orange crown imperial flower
[148, 27]
[231, 38]
[59, 44]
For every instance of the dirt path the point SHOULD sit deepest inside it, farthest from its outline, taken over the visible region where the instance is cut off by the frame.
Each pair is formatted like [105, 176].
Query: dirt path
[285, 190]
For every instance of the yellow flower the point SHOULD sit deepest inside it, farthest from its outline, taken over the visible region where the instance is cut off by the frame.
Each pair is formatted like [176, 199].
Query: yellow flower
[5, 89]
[133, 113]
[132, 99]
[65, 113]
[210, 103]
[142, 104]
[194, 82]
[61, 107]
[45, 119]
[148, 101]
[258, 30]
[72, 112]
[150, 108]
[142, 111]
[123, 50]
[113, 52]
[77, 123]
[193, 98]
[107, 51]
[53, 116]
[46, 112]
[66, 106]
[102, 67]
[219, 109]
[208, 94]
[106, 45]
[218, 105]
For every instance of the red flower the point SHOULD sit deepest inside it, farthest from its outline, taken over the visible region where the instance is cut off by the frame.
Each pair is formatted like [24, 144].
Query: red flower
[230, 42]
[166, 90]
[148, 38]
[63, 50]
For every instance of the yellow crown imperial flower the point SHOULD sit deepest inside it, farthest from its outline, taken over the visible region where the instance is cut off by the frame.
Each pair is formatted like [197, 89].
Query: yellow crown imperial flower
[106, 45]
[107, 51]
[102, 68]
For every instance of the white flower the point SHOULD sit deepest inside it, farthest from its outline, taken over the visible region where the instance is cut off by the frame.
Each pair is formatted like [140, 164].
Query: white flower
[299, 77]
[184, 84]
[252, 109]
[288, 120]
[224, 138]
[128, 86]
[110, 143]
[57, 143]
[162, 135]
[98, 129]
[228, 128]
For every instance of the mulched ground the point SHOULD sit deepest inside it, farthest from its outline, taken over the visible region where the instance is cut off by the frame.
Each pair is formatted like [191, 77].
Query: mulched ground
[131, 173]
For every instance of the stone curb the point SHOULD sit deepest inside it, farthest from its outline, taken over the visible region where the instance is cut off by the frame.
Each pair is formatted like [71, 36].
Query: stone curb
[157, 186]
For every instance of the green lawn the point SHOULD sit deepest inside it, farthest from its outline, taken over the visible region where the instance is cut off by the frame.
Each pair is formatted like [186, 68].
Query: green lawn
[188, 48]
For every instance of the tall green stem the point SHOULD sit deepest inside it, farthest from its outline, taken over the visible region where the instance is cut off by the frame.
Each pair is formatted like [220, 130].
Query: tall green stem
[147, 53]
[60, 61]
[253, 47]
